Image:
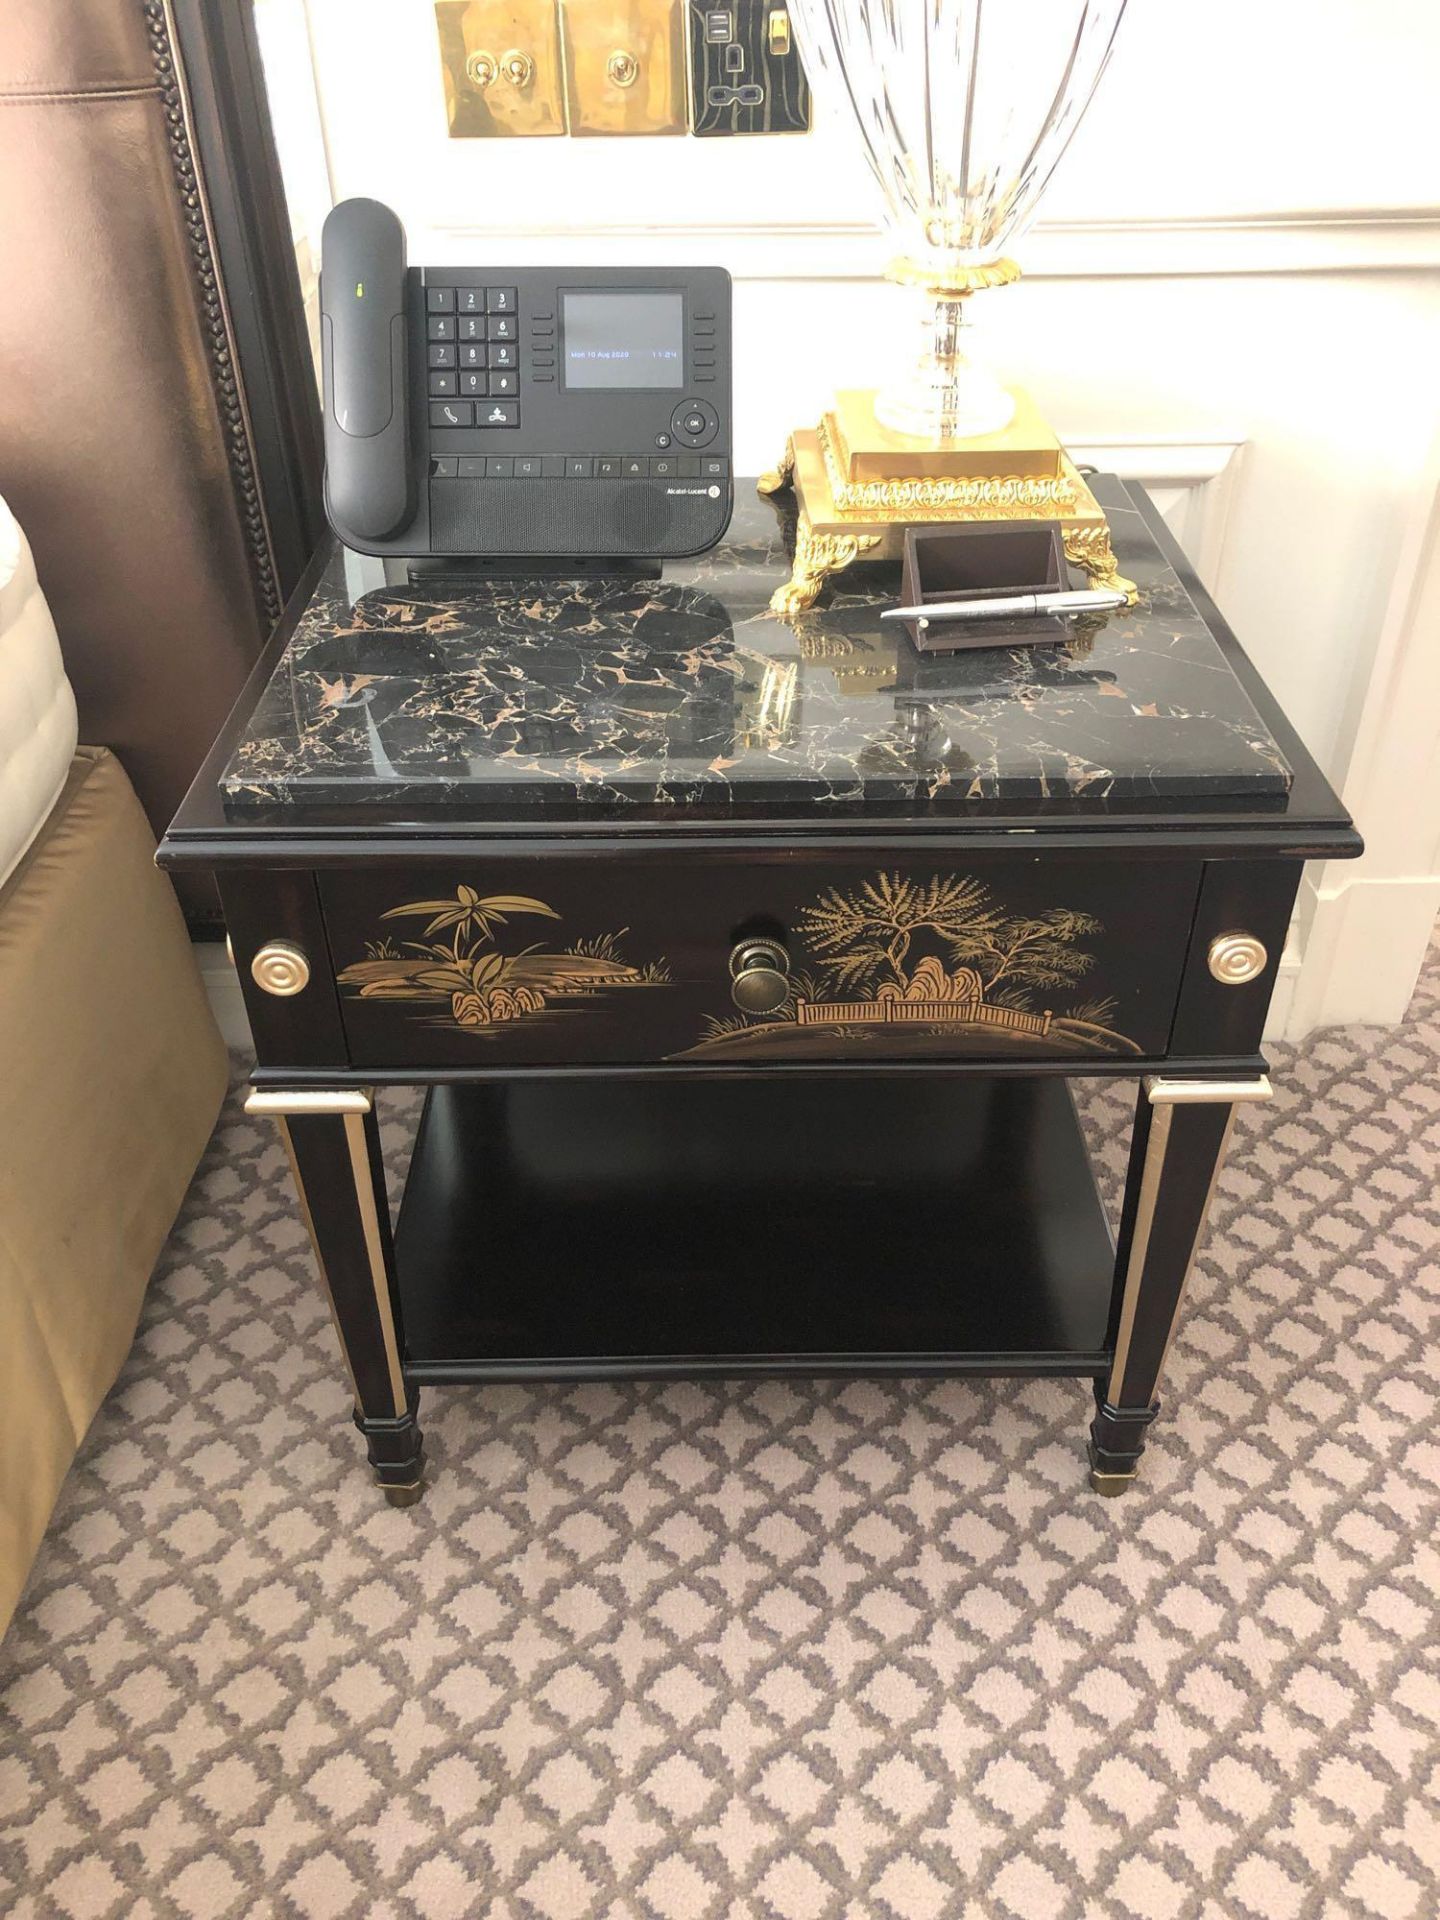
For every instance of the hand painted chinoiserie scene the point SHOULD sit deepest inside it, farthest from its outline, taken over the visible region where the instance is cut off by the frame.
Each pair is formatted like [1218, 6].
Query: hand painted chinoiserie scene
[905, 966]
[884, 965]
[459, 974]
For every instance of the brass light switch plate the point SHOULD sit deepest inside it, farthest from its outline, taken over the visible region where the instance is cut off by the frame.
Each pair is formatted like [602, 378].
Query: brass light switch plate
[625, 66]
[745, 69]
[502, 66]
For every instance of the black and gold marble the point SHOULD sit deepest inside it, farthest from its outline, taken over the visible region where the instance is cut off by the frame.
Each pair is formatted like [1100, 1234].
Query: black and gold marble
[688, 695]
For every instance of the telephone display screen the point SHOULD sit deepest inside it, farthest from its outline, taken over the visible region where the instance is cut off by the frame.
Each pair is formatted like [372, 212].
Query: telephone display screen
[624, 339]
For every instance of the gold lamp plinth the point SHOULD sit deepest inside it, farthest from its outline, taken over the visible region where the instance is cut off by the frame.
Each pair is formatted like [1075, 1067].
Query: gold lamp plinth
[858, 485]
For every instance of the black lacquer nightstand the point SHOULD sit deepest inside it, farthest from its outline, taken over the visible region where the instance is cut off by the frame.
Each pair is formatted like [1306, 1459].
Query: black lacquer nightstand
[746, 961]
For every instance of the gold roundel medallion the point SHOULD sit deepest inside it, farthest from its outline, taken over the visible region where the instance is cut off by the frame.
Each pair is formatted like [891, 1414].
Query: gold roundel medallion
[1236, 958]
[280, 968]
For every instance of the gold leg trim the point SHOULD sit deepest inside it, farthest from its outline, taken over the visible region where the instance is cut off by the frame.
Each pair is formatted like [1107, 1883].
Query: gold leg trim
[817, 556]
[781, 474]
[299, 1103]
[1162, 1092]
[1155, 1150]
[306, 1216]
[1090, 548]
[370, 1221]
[401, 1496]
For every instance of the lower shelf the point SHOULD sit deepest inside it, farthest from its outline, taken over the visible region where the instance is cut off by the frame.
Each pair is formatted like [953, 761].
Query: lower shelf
[573, 1230]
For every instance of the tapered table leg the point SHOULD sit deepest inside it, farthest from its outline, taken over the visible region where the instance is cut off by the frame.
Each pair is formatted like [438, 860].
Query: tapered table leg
[1182, 1128]
[334, 1147]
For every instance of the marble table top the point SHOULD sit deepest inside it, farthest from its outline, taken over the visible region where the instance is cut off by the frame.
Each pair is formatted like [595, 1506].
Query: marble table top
[687, 695]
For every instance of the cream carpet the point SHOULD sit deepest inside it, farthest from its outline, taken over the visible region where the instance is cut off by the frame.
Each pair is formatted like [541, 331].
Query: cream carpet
[789, 1652]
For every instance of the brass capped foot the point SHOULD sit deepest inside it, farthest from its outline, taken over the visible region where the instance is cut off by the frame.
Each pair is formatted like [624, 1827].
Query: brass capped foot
[406, 1496]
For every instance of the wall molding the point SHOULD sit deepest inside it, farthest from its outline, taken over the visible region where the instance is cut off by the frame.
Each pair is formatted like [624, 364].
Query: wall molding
[1378, 240]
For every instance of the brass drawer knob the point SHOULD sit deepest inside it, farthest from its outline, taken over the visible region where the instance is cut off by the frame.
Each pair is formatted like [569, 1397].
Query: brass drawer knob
[280, 968]
[623, 67]
[1236, 958]
[759, 976]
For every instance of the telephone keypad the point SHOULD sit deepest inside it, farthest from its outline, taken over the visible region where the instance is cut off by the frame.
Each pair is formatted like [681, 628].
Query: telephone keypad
[470, 299]
[441, 356]
[504, 383]
[474, 383]
[471, 326]
[442, 384]
[500, 300]
[503, 356]
[502, 327]
[440, 299]
[440, 326]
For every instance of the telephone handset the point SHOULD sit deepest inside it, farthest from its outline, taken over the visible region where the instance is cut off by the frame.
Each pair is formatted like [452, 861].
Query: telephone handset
[494, 412]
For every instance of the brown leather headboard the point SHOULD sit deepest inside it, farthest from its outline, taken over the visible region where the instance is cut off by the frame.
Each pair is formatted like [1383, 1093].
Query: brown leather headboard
[125, 450]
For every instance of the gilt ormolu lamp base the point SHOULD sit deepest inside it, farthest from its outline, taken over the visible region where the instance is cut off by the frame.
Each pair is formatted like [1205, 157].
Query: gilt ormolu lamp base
[858, 486]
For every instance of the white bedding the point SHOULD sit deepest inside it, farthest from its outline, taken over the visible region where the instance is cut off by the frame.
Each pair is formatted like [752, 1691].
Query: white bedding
[37, 707]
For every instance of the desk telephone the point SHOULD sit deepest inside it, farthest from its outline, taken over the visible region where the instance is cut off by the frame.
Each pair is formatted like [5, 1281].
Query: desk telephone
[520, 412]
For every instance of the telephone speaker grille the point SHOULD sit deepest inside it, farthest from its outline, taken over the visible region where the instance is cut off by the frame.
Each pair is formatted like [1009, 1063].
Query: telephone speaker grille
[584, 516]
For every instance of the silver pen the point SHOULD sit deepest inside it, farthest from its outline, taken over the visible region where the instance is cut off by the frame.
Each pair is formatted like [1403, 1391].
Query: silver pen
[1085, 600]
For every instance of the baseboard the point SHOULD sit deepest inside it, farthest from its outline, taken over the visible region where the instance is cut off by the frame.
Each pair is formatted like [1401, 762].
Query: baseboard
[1365, 943]
[222, 989]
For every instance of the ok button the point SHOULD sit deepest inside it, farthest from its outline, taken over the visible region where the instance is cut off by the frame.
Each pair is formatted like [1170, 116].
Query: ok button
[695, 422]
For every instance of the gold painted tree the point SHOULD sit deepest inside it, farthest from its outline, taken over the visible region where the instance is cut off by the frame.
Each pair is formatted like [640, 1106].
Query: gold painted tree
[864, 935]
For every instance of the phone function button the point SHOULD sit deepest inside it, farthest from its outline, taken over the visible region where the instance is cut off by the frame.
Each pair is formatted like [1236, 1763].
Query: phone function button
[503, 356]
[475, 384]
[663, 467]
[635, 466]
[501, 326]
[499, 413]
[439, 299]
[546, 375]
[442, 385]
[470, 299]
[608, 466]
[499, 467]
[445, 468]
[579, 466]
[714, 466]
[504, 383]
[452, 413]
[472, 467]
[528, 466]
[687, 466]
[441, 356]
[440, 326]
[500, 300]
[662, 440]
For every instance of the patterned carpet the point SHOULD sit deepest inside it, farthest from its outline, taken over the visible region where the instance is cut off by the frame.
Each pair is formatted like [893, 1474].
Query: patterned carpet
[782, 1652]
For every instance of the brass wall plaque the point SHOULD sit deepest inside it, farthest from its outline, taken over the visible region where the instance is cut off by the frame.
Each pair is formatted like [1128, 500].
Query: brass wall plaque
[625, 66]
[502, 66]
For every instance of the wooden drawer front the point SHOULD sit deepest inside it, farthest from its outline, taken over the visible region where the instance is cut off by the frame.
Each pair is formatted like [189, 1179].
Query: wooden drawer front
[623, 957]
